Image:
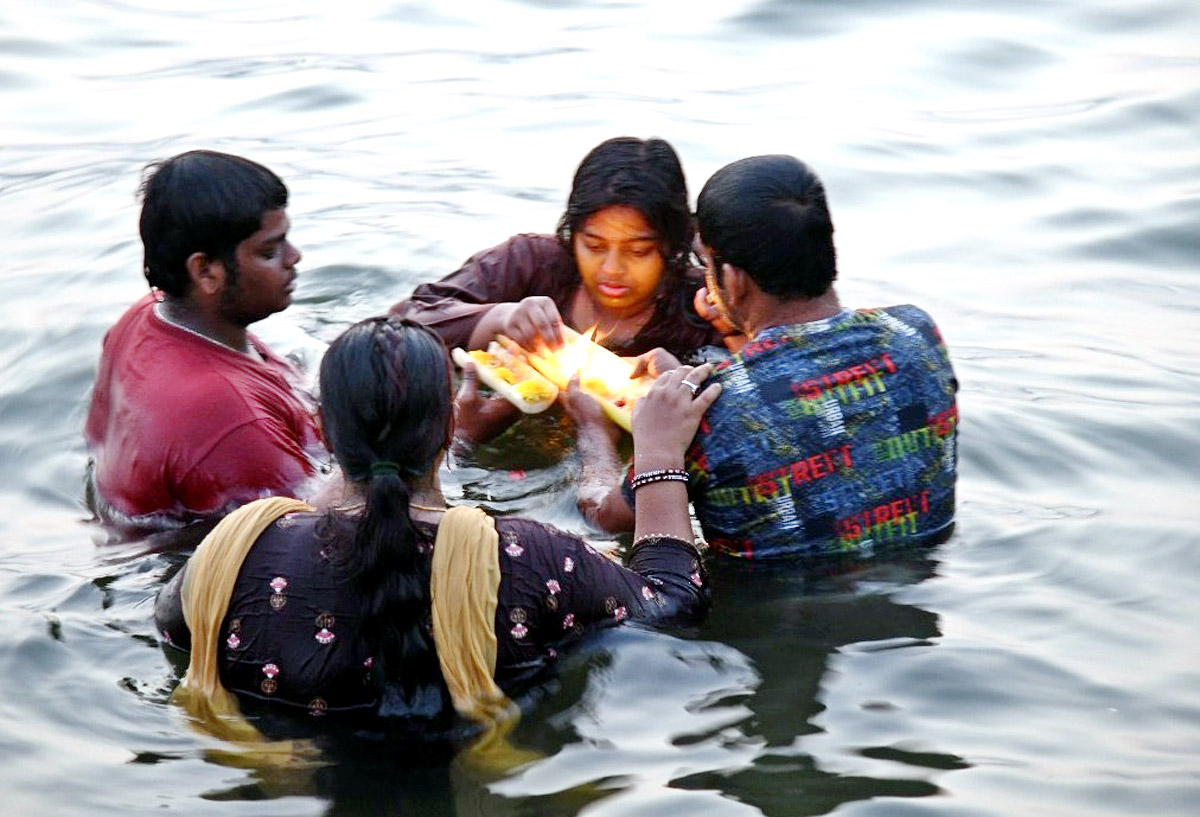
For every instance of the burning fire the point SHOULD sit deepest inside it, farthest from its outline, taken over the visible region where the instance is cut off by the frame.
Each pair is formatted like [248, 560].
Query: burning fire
[600, 371]
[602, 374]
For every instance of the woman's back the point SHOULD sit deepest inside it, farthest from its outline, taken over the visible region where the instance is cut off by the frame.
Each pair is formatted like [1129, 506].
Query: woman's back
[293, 635]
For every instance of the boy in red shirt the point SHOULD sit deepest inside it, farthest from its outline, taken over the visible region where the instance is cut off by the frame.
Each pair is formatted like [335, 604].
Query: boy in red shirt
[191, 414]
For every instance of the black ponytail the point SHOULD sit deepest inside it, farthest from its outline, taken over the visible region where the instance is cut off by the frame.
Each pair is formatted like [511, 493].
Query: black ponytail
[387, 407]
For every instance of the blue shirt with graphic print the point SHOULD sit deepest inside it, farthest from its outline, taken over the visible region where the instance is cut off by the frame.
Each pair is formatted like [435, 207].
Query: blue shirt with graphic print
[833, 437]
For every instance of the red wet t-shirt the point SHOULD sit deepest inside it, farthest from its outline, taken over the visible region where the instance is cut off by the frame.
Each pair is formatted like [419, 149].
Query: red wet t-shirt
[180, 425]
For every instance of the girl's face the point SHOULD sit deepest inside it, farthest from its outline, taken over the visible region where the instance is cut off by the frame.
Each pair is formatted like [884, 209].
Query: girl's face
[620, 260]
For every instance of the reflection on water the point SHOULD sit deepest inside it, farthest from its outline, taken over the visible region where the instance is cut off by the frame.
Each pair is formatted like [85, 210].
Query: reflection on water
[794, 630]
[1027, 174]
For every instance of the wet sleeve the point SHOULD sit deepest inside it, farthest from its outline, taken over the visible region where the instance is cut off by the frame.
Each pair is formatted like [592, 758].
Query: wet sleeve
[522, 266]
[580, 588]
[676, 572]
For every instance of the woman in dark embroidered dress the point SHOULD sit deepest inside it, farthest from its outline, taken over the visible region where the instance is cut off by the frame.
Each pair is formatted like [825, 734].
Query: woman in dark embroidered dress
[331, 610]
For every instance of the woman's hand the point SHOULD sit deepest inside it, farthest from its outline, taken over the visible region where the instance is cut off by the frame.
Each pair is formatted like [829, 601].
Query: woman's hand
[589, 417]
[478, 419]
[533, 322]
[581, 406]
[706, 308]
[653, 363]
[598, 492]
[665, 419]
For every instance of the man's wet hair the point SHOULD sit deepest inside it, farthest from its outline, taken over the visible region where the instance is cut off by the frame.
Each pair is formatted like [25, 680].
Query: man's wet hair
[768, 216]
[202, 201]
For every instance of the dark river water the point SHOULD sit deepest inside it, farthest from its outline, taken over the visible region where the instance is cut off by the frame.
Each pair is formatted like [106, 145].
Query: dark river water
[1027, 172]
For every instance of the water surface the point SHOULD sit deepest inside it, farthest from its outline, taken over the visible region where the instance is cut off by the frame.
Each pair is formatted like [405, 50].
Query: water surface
[1027, 172]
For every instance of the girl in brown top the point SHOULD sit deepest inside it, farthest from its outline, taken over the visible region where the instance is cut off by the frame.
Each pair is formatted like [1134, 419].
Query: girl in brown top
[620, 262]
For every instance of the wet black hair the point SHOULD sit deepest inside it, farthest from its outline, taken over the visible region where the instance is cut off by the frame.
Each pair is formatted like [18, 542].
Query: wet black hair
[768, 215]
[644, 174]
[388, 413]
[201, 201]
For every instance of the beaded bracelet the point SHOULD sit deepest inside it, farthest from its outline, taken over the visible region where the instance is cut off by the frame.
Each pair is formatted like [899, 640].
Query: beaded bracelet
[658, 475]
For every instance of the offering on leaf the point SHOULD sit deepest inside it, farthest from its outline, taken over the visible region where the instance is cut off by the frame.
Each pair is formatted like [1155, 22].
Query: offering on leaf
[603, 375]
[510, 376]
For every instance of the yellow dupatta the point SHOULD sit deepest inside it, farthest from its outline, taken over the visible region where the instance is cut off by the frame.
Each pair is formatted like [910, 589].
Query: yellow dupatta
[464, 584]
[208, 584]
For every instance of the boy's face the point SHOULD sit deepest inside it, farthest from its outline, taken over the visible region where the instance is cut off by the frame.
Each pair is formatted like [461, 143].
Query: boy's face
[265, 272]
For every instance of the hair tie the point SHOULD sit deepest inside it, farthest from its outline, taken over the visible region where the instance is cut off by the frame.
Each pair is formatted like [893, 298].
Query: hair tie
[385, 468]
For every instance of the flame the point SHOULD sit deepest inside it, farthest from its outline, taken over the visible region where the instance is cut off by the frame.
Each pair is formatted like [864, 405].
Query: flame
[599, 369]
[602, 373]
[576, 355]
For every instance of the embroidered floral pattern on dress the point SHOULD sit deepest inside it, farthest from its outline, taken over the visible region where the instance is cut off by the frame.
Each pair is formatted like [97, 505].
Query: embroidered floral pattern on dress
[568, 564]
[518, 615]
[234, 641]
[519, 631]
[697, 580]
[278, 600]
[553, 586]
[317, 707]
[324, 636]
[620, 614]
[568, 621]
[610, 604]
[325, 621]
[647, 594]
[269, 684]
[514, 550]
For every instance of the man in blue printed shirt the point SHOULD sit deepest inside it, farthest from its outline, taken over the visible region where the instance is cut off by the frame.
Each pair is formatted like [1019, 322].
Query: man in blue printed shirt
[836, 429]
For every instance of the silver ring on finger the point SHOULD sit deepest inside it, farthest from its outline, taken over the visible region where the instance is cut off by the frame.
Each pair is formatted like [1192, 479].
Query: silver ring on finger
[694, 388]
